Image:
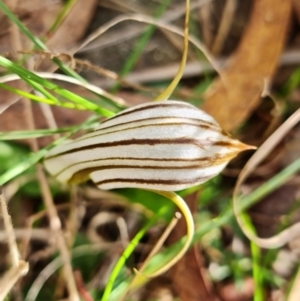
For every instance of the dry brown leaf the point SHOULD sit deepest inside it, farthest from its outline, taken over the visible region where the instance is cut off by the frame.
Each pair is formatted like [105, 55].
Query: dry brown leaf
[296, 9]
[253, 62]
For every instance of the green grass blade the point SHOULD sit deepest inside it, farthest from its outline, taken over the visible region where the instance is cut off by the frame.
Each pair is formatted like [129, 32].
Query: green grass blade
[41, 46]
[256, 262]
[141, 44]
[251, 199]
[28, 95]
[50, 101]
[62, 15]
[292, 83]
[162, 258]
[36, 157]
[128, 251]
[37, 81]
[35, 40]
[23, 166]
[19, 135]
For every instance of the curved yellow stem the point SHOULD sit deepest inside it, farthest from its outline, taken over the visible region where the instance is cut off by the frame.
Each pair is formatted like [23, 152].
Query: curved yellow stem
[180, 203]
[169, 90]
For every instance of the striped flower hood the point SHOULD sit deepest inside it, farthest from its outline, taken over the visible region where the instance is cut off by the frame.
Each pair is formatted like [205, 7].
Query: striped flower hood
[167, 145]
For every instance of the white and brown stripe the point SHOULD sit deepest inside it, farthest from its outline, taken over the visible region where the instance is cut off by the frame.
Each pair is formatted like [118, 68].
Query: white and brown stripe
[168, 145]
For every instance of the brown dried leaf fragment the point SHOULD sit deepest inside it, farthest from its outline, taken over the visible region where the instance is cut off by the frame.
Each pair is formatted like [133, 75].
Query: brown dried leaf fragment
[253, 63]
